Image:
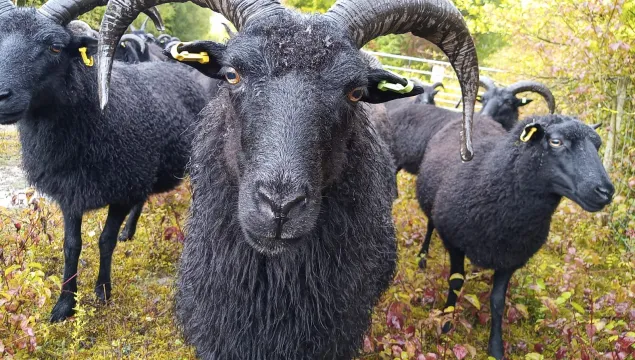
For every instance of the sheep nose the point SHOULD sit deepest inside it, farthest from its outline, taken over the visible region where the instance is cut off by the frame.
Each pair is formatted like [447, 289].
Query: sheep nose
[606, 193]
[280, 205]
[5, 94]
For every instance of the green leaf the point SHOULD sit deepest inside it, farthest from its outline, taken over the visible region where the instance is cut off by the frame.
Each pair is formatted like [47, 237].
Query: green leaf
[448, 309]
[577, 307]
[534, 356]
[457, 276]
[472, 299]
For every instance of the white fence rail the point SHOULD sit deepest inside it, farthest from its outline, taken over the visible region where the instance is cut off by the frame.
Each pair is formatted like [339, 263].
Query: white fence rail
[451, 94]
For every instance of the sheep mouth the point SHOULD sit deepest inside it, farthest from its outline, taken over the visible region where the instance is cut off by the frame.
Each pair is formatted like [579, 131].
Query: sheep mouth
[592, 205]
[270, 245]
[10, 118]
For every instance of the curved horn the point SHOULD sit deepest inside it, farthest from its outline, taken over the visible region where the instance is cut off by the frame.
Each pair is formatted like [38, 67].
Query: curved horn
[120, 13]
[143, 24]
[6, 5]
[536, 87]
[154, 15]
[437, 21]
[486, 83]
[136, 39]
[438, 84]
[63, 11]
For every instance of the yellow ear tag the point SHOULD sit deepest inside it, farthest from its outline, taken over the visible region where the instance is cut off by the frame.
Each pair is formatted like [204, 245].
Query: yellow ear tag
[201, 58]
[88, 61]
[528, 132]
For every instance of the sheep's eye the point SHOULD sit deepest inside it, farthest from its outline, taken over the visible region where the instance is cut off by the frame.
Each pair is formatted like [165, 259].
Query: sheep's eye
[56, 48]
[555, 143]
[356, 94]
[232, 76]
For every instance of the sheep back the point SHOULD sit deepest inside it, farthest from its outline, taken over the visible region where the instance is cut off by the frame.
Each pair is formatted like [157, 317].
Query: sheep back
[491, 208]
[85, 159]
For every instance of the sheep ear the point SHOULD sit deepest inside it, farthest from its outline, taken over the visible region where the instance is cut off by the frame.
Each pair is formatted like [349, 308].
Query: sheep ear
[204, 56]
[385, 86]
[83, 41]
[532, 132]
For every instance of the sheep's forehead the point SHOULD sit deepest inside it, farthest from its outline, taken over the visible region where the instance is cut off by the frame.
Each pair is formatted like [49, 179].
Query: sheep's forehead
[574, 130]
[297, 43]
[31, 25]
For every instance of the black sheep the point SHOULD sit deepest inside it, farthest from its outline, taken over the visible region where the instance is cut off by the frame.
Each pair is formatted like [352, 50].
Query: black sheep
[291, 241]
[412, 125]
[497, 209]
[80, 156]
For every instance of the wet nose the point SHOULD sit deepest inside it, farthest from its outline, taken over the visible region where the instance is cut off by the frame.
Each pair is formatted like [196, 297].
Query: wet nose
[280, 205]
[5, 94]
[605, 192]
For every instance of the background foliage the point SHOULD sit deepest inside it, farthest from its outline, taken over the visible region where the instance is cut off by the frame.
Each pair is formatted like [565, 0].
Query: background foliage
[574, 300]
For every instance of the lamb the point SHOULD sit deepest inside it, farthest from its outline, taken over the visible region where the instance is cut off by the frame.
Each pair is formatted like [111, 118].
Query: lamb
[291, 241]
[412, 126]
[518, 180]
[81, 157]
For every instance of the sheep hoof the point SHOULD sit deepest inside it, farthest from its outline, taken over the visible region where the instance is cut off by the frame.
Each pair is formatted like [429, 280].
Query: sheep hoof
[423, 263]
[103, 292]
[447, 327]
[125, 236]
[64, 307]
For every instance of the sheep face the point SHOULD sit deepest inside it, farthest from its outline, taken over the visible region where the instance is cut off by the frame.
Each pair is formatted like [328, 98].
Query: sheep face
[570, 162]
[37, 53]
[296, 87]
[128, 52]
[502, 106]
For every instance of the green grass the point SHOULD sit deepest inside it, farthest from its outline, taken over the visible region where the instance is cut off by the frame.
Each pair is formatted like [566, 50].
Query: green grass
[548, 304]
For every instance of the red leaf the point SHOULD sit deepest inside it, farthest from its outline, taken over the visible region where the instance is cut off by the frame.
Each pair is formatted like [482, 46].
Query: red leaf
[584, 355]
[590, 330]
[410, 331]
[396, 350]
[561, 353]
[459, 351]
[18, 226]
[483, 318]
[539, 348]
[395, 315]
[430, 356]
[368, 345]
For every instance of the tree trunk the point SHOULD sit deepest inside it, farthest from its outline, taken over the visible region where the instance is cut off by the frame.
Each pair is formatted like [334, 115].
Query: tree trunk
[615, 124]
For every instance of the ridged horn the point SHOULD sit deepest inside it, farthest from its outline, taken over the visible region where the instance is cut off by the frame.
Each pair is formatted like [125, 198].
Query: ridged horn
[63, 11]
[136, 39]
[6, 5]
[120, 13]
[536, 87]
[438, 84]
[437, 21]
[487, 83]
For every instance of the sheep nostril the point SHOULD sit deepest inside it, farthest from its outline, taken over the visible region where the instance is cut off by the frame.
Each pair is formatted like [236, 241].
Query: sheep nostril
[5, 94]
[604, 192]
[291, 203]
[280, 206]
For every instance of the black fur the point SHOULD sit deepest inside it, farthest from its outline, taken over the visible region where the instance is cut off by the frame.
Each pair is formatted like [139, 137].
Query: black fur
[81, 157]
[497, 208]
[250, 286]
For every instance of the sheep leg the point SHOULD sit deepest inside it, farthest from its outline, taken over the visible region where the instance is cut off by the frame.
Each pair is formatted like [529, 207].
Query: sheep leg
[107, 243]
[457, 266]
[497, 306]
[425, 247]
[131, 225]
[72, 248]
